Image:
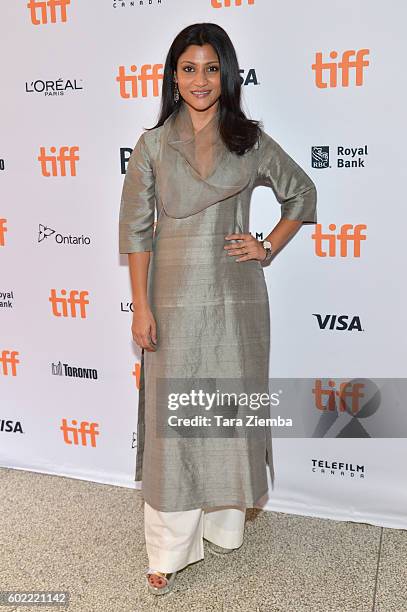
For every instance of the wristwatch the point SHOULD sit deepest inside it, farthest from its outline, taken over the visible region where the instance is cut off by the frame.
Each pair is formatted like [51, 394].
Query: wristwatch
[269, 251]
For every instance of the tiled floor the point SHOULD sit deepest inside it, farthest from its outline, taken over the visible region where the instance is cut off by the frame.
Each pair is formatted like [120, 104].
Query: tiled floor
[86, 538]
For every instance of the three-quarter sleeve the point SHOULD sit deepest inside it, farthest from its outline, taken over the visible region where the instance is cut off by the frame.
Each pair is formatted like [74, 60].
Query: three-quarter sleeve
[137, 206]
[293, 188]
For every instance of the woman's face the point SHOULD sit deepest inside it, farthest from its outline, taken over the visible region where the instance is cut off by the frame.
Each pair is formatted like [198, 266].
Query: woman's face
[198, 76]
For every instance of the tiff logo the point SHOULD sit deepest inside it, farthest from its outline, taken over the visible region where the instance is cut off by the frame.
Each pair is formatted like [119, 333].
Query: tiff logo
[348, 233]
[3, 230]
[58, 162]
[76, 301]
[137, 373]
[81, 435]
[346, 399]
[47, 8]
[9, 361]
[344, 66]
[148, 72]
[228, 3]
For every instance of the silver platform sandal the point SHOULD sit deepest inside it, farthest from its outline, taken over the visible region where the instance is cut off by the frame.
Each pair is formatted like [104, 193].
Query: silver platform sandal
[168, 577]
[218, 549]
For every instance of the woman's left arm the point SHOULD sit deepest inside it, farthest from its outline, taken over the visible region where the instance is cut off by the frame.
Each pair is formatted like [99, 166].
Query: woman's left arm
[294, 191]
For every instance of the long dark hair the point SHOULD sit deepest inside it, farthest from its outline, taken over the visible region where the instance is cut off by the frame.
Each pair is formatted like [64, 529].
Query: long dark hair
[237, 131]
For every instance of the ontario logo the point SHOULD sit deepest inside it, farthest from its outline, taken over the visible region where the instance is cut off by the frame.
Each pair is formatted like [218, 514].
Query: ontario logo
[45, 232]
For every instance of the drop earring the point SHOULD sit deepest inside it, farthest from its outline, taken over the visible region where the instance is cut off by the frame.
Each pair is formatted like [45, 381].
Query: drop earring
[176, 92]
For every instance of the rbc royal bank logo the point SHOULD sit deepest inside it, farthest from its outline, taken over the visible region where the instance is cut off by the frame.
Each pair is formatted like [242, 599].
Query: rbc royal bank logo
[320, 157]
[346, 157]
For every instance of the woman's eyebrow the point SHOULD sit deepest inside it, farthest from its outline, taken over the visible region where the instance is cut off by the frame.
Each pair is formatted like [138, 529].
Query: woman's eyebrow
[191, 62]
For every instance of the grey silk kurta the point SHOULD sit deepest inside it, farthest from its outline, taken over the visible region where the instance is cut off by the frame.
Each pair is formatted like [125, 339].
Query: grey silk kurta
[212, 313]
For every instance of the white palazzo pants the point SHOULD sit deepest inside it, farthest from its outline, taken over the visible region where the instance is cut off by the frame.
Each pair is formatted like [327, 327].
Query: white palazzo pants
[175, 539]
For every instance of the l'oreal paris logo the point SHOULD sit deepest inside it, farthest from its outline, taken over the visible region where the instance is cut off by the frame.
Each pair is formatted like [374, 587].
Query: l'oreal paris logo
[53, 87]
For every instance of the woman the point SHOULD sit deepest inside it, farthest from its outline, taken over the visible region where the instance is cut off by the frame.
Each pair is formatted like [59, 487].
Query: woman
[201, 310]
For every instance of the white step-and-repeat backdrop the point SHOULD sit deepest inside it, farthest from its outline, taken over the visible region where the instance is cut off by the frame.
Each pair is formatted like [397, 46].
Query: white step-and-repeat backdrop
[80, 81]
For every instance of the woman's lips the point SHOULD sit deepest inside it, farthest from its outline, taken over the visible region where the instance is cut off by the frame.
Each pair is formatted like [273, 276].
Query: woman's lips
[201, 94]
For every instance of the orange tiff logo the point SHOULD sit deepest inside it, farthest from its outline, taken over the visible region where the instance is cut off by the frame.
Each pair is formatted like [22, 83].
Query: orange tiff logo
[228, 3]
[81, 435]
[9, 361]
[348, 233]
[40, 10]
[57, 163]
[148, 73]
[137, 373]
[3, 230]
[63, 306]
[345, 399]
[343, 67]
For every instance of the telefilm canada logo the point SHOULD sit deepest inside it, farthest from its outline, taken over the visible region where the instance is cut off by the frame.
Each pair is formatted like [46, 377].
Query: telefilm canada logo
[45, 232]
[132, 4]
[64, 369]
[342, 469]
[53, 87]
[345, 157]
